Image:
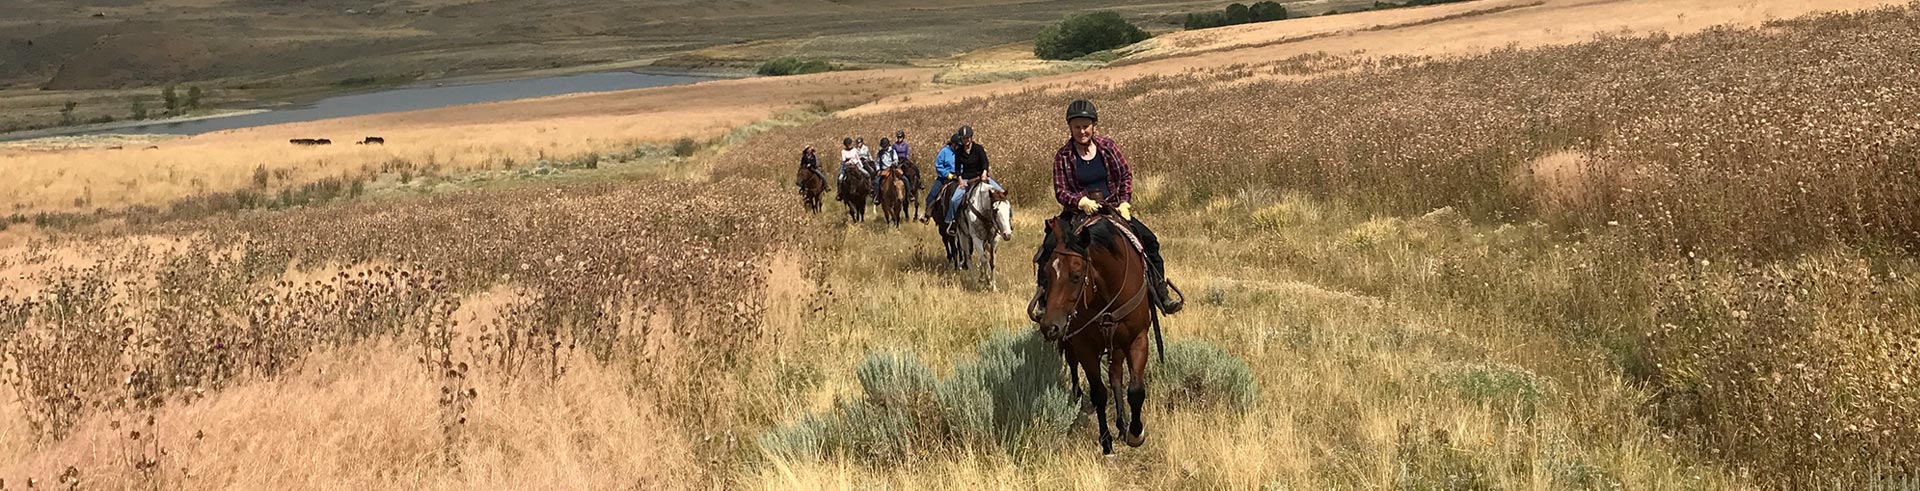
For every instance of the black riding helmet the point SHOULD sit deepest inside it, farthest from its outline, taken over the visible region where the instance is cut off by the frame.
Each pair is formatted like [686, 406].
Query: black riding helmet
[899, 134]
[966, 131]
[846, 142]
[1082, 108]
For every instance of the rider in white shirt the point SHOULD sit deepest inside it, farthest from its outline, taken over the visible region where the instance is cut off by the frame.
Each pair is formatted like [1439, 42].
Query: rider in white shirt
[887, 161]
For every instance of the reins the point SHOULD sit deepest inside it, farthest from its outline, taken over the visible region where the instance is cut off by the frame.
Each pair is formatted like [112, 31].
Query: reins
[1107, 315]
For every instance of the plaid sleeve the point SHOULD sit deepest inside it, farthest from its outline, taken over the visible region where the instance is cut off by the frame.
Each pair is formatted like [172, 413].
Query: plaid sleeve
[1119, 175]
[1064, 188]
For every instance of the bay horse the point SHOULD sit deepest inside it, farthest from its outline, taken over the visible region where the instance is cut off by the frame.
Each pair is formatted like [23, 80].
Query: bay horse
[853, 192]
[984, 220]
[812, 184]
[1098, 309]
[911, 173]
[893, 197]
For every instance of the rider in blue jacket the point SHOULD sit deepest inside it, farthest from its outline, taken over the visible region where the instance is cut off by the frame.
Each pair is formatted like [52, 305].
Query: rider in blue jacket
[942, 169]
[970, 164]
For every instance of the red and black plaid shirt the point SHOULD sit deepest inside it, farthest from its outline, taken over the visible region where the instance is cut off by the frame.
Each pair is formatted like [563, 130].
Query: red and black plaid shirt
[1068, 190]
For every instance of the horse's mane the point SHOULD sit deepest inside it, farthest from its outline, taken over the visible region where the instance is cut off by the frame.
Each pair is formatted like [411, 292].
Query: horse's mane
[1100, 232]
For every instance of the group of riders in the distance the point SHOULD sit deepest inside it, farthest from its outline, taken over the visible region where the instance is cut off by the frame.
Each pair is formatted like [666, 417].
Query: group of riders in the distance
[1090, 176]
[1111, 279]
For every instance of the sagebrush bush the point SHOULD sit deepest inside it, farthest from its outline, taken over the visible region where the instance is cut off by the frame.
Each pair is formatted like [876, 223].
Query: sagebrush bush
[1007, 397]
[1515, 390]
[1198, 372]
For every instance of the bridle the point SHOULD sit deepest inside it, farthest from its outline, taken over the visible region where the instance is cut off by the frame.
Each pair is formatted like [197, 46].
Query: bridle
[1108, 315]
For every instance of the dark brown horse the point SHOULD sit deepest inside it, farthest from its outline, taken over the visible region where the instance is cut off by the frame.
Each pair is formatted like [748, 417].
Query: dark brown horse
[1098, 309]
[911, 173]
[812, 184]
[854, 190]
[893, 196]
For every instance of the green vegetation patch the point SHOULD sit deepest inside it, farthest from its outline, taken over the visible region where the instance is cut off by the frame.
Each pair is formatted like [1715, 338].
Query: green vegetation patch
[1007, 395]
[1086, 33]
[793, 66]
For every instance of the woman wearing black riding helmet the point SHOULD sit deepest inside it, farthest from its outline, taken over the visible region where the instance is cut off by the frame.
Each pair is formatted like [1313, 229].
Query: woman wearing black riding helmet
[1090, 174]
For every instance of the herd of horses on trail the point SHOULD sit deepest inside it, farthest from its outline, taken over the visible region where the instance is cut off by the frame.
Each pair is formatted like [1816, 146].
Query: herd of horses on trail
[371, 140]
[1098, 313]
[983, 221]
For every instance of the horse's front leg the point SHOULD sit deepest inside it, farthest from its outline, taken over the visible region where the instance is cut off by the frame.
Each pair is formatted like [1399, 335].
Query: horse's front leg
[1136, 435]
[1099, 393]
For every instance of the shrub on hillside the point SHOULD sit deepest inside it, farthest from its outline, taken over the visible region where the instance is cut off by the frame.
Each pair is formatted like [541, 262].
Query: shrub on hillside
[1269, 11]
[793, 66]
[1236, 14]
[1086, 33]
[685, 147]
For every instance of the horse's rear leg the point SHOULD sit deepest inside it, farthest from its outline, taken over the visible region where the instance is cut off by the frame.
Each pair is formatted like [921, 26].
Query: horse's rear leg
[1137, 389]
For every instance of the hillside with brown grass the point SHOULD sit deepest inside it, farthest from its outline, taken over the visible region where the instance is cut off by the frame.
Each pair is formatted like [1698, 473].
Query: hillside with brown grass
[1680, 257]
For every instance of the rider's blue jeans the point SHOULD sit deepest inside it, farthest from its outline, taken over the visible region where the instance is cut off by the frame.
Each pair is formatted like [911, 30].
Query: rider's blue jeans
[961, 193]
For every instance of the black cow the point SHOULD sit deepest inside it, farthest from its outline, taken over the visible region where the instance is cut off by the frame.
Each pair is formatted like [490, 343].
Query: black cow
[374, 140]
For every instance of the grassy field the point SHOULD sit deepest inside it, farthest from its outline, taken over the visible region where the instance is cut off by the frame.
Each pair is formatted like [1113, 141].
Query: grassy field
[1652, 262]
[247, 52]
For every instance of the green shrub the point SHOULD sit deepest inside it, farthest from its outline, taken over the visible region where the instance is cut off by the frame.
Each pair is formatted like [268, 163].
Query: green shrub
[1201, 373]
[1081, 34]
[1269, 11]
[1504, 387]
[1238, 13]
[1205, 20]
[1008, 396]
[792, 66]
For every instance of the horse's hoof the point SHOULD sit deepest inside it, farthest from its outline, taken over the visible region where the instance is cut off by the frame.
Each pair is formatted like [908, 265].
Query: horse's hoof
[1136, 441]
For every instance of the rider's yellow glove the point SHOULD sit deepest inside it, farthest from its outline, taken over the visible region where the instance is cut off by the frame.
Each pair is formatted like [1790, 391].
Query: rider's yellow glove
[1088, 205]
[952, 176]
[1126, 210]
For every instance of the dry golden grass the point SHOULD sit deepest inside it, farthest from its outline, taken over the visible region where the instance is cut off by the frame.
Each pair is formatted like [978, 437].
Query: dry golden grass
[1716, 215]
[482, 136]
[1394, 33]
[1425, 264]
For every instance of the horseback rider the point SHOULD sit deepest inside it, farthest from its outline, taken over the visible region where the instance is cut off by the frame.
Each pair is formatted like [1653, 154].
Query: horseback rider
[943, 172]
[1090, 174]
[860, 145]
[849, 157]
[970, 165]
[900, 149]
[887, 161]
[810, 161]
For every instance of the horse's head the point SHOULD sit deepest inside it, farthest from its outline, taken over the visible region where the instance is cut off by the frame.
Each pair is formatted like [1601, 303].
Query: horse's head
[1071, 277]
[1002, 214]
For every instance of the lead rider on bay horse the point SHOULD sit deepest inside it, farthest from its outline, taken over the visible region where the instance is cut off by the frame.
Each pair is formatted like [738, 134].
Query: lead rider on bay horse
[1089, 174]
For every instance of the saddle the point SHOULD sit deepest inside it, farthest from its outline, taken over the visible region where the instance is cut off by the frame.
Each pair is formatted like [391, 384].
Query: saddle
[945, 196]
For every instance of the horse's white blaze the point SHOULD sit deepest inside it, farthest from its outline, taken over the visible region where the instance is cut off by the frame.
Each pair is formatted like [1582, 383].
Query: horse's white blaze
[1004, 212]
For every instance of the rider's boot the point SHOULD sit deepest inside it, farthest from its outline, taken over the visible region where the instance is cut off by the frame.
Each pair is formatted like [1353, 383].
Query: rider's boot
[1171, 300]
